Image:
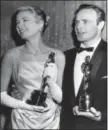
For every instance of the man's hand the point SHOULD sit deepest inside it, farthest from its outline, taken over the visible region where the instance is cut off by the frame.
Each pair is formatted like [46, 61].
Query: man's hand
[93, 114]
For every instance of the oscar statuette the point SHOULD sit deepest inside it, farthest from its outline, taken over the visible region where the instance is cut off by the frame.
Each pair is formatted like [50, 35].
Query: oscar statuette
[85, 99]
[38, 97]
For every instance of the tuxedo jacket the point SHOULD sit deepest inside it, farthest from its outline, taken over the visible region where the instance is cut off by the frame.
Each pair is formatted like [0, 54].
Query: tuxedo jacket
[97, 88]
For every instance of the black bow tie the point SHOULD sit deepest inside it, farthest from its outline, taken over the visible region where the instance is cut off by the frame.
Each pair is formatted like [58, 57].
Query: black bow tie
[84, 49]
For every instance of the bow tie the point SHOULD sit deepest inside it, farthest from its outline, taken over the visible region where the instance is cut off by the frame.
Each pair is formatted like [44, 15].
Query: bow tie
[84, 49]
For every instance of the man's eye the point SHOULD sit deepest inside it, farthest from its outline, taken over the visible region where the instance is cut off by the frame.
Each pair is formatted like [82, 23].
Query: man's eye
[25, 20]
[76, 22]
[85, 21]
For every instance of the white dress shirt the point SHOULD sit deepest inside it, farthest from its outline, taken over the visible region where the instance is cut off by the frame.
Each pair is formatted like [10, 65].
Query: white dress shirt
[80, 57]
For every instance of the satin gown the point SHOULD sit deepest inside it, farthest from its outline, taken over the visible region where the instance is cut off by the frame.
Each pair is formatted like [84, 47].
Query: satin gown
[27, 76]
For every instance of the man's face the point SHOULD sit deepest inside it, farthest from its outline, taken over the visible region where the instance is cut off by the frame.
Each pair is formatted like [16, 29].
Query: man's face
[86, 27]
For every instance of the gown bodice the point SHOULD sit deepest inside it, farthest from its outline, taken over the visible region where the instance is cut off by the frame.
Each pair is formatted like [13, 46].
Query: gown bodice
[27, 76]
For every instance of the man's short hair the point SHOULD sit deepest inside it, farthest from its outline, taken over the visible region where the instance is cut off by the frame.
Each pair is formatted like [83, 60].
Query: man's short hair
[99, 11]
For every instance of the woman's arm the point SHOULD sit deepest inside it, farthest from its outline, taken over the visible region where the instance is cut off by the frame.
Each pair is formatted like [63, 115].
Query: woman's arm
[6, 72]
[56, 87]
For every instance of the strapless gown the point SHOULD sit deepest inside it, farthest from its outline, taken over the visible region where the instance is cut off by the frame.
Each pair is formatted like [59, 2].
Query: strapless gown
[27, 76]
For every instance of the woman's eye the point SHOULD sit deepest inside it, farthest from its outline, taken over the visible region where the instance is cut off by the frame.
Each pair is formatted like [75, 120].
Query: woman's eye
[17, 22]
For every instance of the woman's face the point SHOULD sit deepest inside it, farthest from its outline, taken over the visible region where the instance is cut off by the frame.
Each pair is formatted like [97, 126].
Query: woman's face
[27, 25]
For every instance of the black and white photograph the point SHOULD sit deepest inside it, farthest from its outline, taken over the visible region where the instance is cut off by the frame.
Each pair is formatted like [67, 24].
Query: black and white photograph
[53, 65]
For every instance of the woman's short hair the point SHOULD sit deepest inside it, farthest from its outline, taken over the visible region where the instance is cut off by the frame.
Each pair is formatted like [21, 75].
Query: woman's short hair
[37, 12]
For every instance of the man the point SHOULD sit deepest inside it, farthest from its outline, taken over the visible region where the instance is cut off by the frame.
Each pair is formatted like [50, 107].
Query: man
[89, 23]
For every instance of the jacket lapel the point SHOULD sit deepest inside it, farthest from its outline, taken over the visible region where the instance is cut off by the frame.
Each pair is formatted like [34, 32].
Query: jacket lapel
[70, 80]
[96, 59]
[68, 85]
[73, 88]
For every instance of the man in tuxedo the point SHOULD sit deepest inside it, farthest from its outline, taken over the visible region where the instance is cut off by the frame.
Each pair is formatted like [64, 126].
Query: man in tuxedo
[89, 23]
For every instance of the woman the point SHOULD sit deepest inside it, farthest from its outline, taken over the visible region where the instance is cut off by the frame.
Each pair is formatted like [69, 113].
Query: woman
[26, 66]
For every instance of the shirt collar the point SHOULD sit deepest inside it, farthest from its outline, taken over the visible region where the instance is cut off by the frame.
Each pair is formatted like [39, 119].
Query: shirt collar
[94, 45]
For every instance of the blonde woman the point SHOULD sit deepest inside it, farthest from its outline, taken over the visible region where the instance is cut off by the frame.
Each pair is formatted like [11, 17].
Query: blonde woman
[26, 66]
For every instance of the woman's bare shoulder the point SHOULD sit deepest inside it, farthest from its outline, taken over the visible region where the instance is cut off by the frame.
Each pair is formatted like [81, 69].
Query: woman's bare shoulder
[11, 53]
[14, 49]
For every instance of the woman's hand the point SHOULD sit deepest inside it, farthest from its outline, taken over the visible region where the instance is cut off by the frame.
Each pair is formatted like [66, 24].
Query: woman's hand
[93, 114]
[9, 101]
[50, 71]
[40, 109]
